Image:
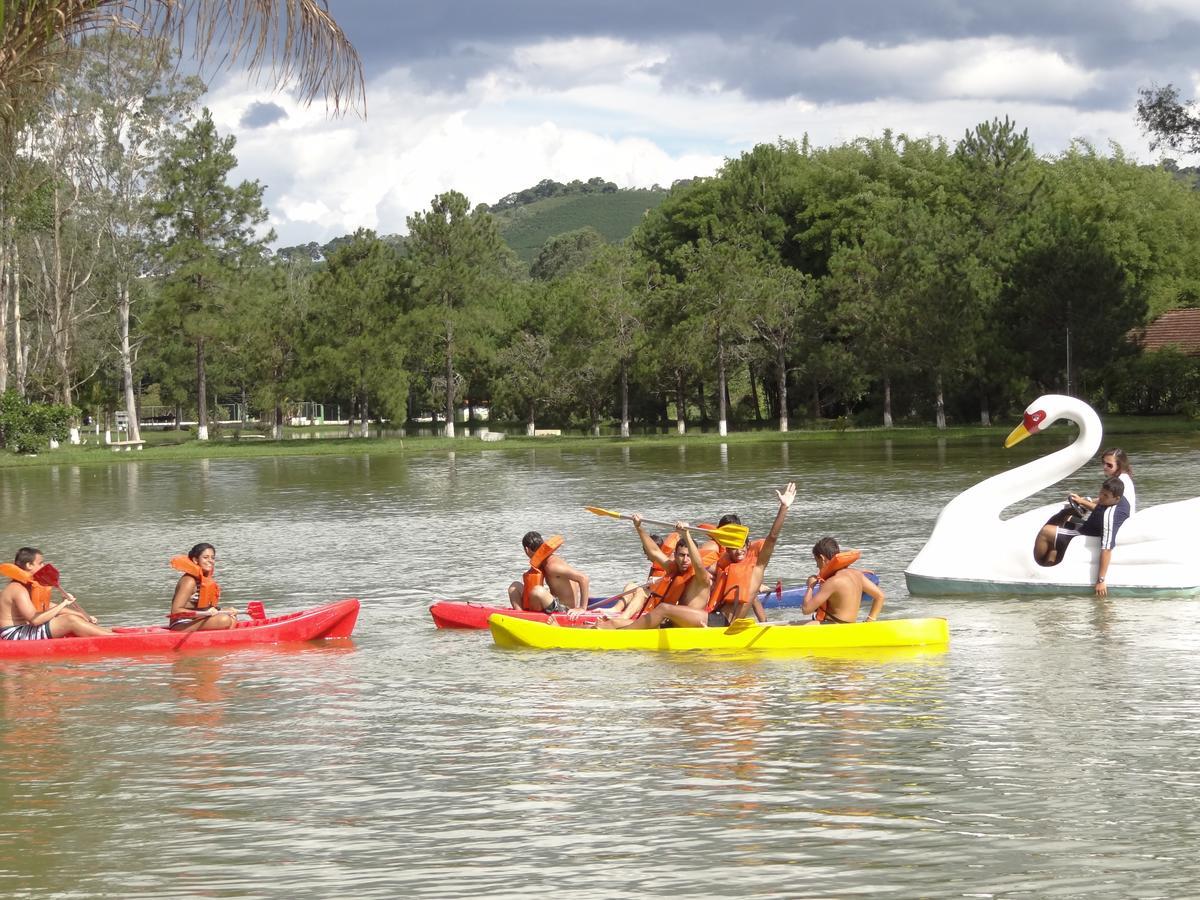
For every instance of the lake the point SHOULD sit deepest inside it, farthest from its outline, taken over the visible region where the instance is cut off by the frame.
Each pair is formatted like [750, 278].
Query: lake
[1051, 750]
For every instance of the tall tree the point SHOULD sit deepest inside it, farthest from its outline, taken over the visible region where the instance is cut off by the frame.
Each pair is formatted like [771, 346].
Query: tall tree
[208, 232]
[786, 319]
[456, 263]
[717, 275]
[354, 340]
[134, 107]
[1170, 121]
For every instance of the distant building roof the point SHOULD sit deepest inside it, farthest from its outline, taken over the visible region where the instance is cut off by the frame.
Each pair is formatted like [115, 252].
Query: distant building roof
[1179, 328]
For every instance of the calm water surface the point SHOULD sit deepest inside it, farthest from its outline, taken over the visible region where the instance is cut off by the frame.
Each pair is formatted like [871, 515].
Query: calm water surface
[1051, 751]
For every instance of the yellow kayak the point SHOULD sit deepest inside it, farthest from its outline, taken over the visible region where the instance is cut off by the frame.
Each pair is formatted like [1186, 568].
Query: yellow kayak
[744, 634]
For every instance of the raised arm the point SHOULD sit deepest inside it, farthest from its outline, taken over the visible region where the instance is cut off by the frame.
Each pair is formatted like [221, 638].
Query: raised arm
[786, 498]
[694, 552]
[652, 550]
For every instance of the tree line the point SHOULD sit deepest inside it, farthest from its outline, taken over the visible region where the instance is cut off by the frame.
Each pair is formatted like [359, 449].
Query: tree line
[885, 280]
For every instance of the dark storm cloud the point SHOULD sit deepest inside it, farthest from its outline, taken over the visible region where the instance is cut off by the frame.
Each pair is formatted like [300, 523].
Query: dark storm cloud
[763, 47]
[259, 115]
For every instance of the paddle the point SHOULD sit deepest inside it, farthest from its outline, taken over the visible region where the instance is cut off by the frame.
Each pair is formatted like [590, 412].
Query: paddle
[637, 587]
[733, 536]
[254, 609]
[47, 576]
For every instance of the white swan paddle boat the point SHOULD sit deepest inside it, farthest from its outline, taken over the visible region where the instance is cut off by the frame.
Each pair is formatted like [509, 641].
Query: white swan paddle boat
[972, 550]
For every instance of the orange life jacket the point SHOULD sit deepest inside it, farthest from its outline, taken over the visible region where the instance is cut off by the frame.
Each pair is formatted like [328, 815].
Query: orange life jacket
[534, 577]
[732, 584]
[840, 561]
[40, 594]
[208, 591]
[670, 542]
[670, 588]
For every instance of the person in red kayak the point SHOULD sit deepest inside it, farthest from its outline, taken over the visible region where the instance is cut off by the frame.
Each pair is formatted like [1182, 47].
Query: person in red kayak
[196, 604]
[26, 613]
[551, 584]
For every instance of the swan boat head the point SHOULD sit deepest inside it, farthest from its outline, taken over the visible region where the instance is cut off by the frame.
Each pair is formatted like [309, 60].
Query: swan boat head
[973, 550]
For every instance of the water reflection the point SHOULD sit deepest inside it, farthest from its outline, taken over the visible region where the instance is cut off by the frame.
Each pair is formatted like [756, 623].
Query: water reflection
[417, 762]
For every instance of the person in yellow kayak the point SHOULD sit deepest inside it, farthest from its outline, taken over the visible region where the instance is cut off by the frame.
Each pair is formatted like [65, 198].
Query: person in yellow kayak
[26, 612]
[739, 571]
[550, 584]
[196, 605]
[842, 588]
[679, 596]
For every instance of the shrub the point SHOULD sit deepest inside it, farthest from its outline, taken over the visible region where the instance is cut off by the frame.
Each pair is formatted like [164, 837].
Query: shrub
[27, 427]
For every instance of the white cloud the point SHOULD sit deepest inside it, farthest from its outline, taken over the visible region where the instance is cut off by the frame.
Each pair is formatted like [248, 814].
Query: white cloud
[582, 108]
[1004, 69]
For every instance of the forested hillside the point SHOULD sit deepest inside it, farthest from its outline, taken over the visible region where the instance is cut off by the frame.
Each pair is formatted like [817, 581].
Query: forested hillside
[527, 227]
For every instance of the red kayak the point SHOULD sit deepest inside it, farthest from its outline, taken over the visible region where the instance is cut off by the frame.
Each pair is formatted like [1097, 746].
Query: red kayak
[468, 614]
[335, 620]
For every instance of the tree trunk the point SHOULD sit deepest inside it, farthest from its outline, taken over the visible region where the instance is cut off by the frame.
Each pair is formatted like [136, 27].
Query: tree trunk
[941, 404]
[887, 401]
[449, 380]
[20, 350]
[985, 413]
[624, 400]
[783, 407]
[680, 404]
[277, 422]
[722, 411]
[4, 269]
[530, 424]
[754, 394]
[201, 393]
[700, 403]
[364, 427]
[131, 413]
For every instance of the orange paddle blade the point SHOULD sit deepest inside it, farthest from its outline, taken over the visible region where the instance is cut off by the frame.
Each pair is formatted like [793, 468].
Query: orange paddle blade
[605, 512]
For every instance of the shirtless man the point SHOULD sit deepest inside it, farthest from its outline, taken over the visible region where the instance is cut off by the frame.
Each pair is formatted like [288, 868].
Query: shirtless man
[551, 584]
[22, 620]
[679, 597]
[842, 592]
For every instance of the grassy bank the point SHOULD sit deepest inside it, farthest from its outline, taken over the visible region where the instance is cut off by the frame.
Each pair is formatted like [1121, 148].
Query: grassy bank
[175, 445]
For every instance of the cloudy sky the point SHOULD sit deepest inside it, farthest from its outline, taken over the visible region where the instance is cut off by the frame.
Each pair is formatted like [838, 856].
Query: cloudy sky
[490, 97]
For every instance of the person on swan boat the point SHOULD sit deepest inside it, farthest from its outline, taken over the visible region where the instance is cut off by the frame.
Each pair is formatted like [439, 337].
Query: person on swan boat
[1104, 521]
[196, 603]
[739, 572]
[1116, 464]
[26, 613]
[842, 588]
[550, 584]
[679, 597]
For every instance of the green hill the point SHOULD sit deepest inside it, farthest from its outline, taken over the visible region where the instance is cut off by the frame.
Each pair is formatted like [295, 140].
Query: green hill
[528, 226]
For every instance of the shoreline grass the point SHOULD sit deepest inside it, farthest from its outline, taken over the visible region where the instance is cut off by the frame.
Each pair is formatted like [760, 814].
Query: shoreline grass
[183, 445]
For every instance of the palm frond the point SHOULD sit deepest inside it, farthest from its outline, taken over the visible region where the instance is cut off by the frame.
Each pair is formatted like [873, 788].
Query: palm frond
[292, 42]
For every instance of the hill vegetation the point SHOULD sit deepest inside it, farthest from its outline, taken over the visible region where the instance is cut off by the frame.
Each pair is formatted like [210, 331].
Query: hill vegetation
[614, 214]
